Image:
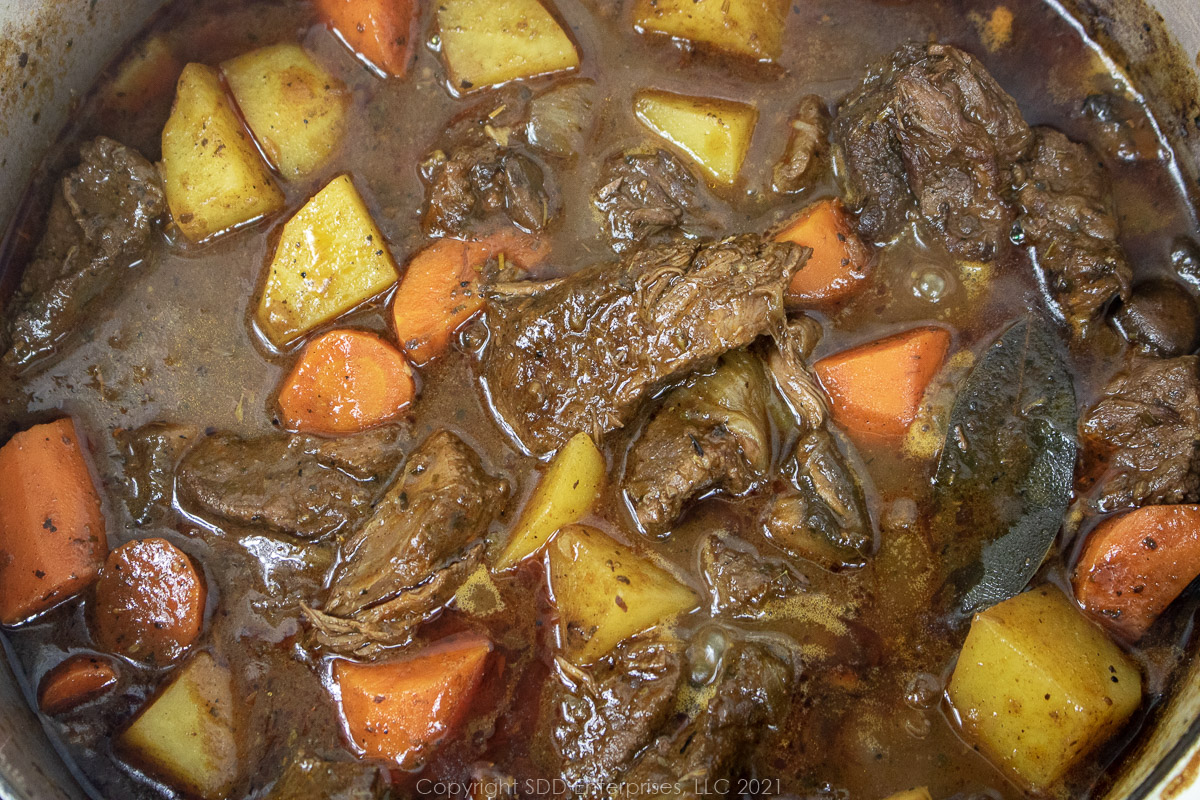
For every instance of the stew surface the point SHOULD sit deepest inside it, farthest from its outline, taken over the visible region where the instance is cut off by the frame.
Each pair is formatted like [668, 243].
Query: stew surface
[788, 408]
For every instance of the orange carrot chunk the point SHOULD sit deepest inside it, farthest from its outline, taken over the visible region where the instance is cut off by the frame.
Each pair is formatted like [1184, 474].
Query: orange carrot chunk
[838, 264]
[346, 381]
[398, 710]
[52, 537]
[74, 682]
[1133, 566]
[875, 389]
[149, 603]
[380, 32]
[440, 289]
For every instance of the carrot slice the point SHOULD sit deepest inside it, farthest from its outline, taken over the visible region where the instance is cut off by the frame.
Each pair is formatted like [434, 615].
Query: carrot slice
[838, 264]
[875, 389]
[52, 537]
[1133, 566]
[149, 602]
[440, 289]
[346, 381]
[380, 32]
[398, 710]
[74, 682]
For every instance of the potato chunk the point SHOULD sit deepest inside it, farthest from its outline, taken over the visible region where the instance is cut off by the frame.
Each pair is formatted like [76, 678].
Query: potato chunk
[294, 107]
[750, 28]
[1037, 686]
[486, 42]
[715, 133]
[185, 735]
[330, 258]
[565, 494]
[215, 180]
[605, 593]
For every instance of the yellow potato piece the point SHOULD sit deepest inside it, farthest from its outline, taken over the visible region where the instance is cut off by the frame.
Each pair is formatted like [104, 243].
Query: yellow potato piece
[605, 593]
[921, 793]
[185, 735]
[294, 107]
[751, 28]
[715, 133]
[487, 42]
[215, 180]
[330, 258]
[565, 494]
[1038, 686]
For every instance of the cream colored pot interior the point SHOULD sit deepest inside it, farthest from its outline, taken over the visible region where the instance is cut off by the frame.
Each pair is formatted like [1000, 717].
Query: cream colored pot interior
[51, 51]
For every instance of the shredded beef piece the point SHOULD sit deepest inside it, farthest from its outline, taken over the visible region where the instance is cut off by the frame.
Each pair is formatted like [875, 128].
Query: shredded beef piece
[484, 167]
[931, 132]
[1070, 220]
[595, 720]
[296, 484]
[408, 559]
[712, 433]
[1148, 422]
[649, 197]
[102, 220]
[582, 354]
[807, 153]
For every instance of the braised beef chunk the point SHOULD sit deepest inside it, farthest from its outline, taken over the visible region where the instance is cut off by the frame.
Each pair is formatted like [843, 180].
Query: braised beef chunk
[308, 777]
[712, 433]
[101, 221]
[807, 151]
[931, 131]
[1185, 259]
[409, 558]
[649, 197]
[595, 720]
[1148, 423]
[820, 513]
[1069, 219]
[584, 353]
[151, 453]
[1160, 318]
[295, 484]
[752, 691]
[740, 581]
[483, 168]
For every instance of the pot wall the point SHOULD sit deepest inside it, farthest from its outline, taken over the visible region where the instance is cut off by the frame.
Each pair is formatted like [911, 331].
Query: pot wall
[51, 51]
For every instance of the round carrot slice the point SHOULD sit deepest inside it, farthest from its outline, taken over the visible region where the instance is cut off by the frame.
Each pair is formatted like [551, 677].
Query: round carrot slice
[346, 381]
[74, 682]
[149, 602]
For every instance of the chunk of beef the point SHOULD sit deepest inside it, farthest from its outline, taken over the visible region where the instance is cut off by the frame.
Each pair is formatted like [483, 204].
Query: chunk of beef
[932, 131]
[595, 720]
[712, 433]
[806, 156]
[1148, 421]
[1069, 219]
[300, 485]
[151, 453]
[584, 353]
[1160, 318]
[820, 515]
[484, 168]
[752, 692]
[409, 558]
[740, 581]
[308, 777]
[102, 219]
[1185, 259]
[649, 197]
